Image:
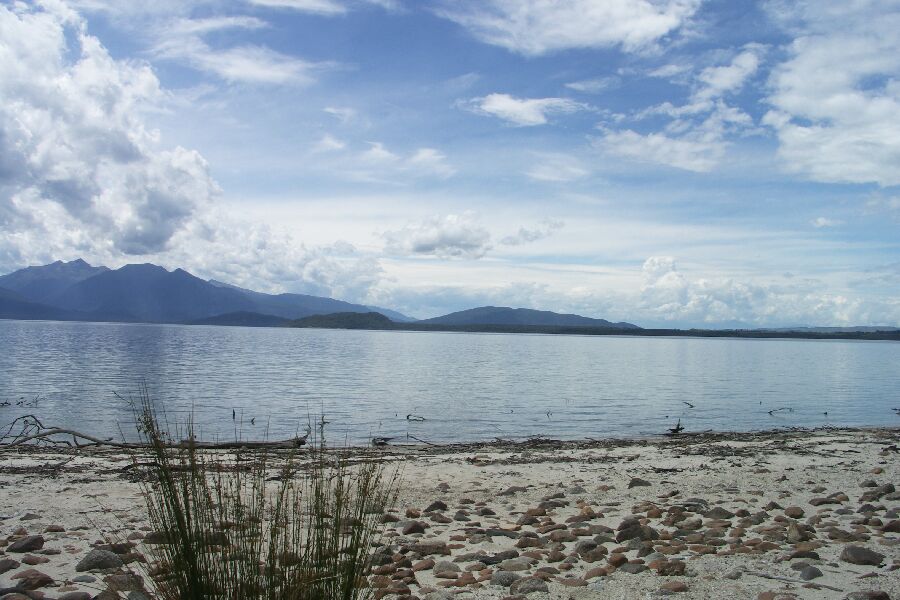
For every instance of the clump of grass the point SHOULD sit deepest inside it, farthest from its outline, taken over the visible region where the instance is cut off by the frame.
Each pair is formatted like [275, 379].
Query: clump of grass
[270, 525]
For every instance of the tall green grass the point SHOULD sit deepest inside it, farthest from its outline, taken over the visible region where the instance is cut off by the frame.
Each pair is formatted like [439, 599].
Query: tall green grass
[293, 525]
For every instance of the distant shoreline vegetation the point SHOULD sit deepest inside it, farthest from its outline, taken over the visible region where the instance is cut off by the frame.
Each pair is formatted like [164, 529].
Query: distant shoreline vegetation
[378, 322]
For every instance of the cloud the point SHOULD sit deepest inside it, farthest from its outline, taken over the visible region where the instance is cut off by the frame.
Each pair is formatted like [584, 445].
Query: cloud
[321, 7]
[448, 236]
[341, 113]
[820, 222]
[557, 168]
[326, 8]
[696, 138]
[718, 81]
[528, 235]
[668, 71]
[380, 165]
[668, 296]
[593, 86]
[239, 64]
[836, 99]
[329, 143]
[699, 154]
[76, 154]
[535, 27]
[522, 112]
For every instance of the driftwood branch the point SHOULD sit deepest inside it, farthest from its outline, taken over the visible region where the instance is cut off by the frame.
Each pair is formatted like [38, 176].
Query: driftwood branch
[789, 580]
[32, 430]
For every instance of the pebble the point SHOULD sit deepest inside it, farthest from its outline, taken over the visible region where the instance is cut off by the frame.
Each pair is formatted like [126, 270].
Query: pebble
[98, 559]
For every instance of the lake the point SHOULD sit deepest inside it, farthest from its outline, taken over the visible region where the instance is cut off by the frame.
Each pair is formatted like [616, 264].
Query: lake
[466, 386]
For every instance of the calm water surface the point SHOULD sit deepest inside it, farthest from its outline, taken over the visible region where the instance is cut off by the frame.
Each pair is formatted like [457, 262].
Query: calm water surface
[467, 386]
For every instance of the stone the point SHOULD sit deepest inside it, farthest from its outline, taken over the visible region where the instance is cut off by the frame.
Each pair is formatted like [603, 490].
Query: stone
[794, 512]
[446, 566]
[522, 563]
[504, 578]
[32, 579]
[810, 573]
[892, 527]
[632, 568]
[868, 595]
[99, 559]
[639, 532]
[675, 586]
[28, 543]
[638, 482]
[436, 505]
[413, 527]
[858, 555]
[75, 596]
[8, 564]
[529, 585]
[718, 513]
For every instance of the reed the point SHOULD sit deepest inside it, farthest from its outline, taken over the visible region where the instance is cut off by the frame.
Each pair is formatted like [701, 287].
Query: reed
[273, 525]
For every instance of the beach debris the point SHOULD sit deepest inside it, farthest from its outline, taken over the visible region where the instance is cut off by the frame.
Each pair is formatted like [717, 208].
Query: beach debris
[775, 410]
[381, 441]
[688, 403]
[412, 417]
[677, 429]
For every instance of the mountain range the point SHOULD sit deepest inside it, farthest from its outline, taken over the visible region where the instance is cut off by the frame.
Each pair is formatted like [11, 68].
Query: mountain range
[147, 293]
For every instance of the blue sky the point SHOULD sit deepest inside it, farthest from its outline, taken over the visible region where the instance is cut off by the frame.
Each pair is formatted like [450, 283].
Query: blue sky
[667, 162]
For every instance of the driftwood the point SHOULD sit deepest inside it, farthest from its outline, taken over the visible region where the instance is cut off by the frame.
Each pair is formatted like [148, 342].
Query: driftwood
[789, 580]
[32, 431]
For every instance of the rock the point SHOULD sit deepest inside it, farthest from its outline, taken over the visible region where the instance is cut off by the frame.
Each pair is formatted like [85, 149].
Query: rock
[632, 568]
[718, 513]
[436, 505]
[529, 585]
[638, 482]
[413, 527]
[75, 596]
[446, 566]
[809, 573]
[32, 579]
[8, 564]
[858, 555]
[98, 559]
[867, 595]
[794, 512]
[734, 574]
[523, 563]
[28, 543]
[892, 527]
[675, 586]
[638, 532]
[504, 578]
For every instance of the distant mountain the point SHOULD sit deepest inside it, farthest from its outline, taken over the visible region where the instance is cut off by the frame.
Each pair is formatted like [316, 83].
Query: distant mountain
[242, 319]
[16, 306]
[393, 315]
[40, 284]
[151, 294]
[346, 320]
[501, 315]
[296, 306]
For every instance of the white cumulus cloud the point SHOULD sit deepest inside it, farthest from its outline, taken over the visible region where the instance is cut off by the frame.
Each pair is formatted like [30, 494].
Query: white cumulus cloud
[522, 112]
[446, 236]
[836, 99]
[534, 27]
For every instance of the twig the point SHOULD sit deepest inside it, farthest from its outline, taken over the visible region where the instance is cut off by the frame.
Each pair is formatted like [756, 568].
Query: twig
[789, 580]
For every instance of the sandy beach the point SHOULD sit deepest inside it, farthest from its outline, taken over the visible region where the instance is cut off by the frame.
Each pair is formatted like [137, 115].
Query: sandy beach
[789, 514]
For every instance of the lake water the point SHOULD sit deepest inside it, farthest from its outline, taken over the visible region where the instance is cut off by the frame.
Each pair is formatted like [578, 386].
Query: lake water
[467, 386]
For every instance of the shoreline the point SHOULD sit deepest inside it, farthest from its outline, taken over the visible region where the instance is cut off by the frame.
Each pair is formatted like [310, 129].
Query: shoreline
[711, 515]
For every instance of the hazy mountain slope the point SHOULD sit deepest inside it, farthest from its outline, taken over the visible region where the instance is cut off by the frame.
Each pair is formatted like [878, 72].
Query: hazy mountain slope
[151, 293]
[40, 284]
[501, 315]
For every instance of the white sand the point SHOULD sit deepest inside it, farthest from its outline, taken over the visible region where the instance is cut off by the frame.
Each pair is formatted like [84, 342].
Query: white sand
[86, 493]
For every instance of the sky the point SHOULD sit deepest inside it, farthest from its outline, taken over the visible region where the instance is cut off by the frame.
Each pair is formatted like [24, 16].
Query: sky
[674, 163]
